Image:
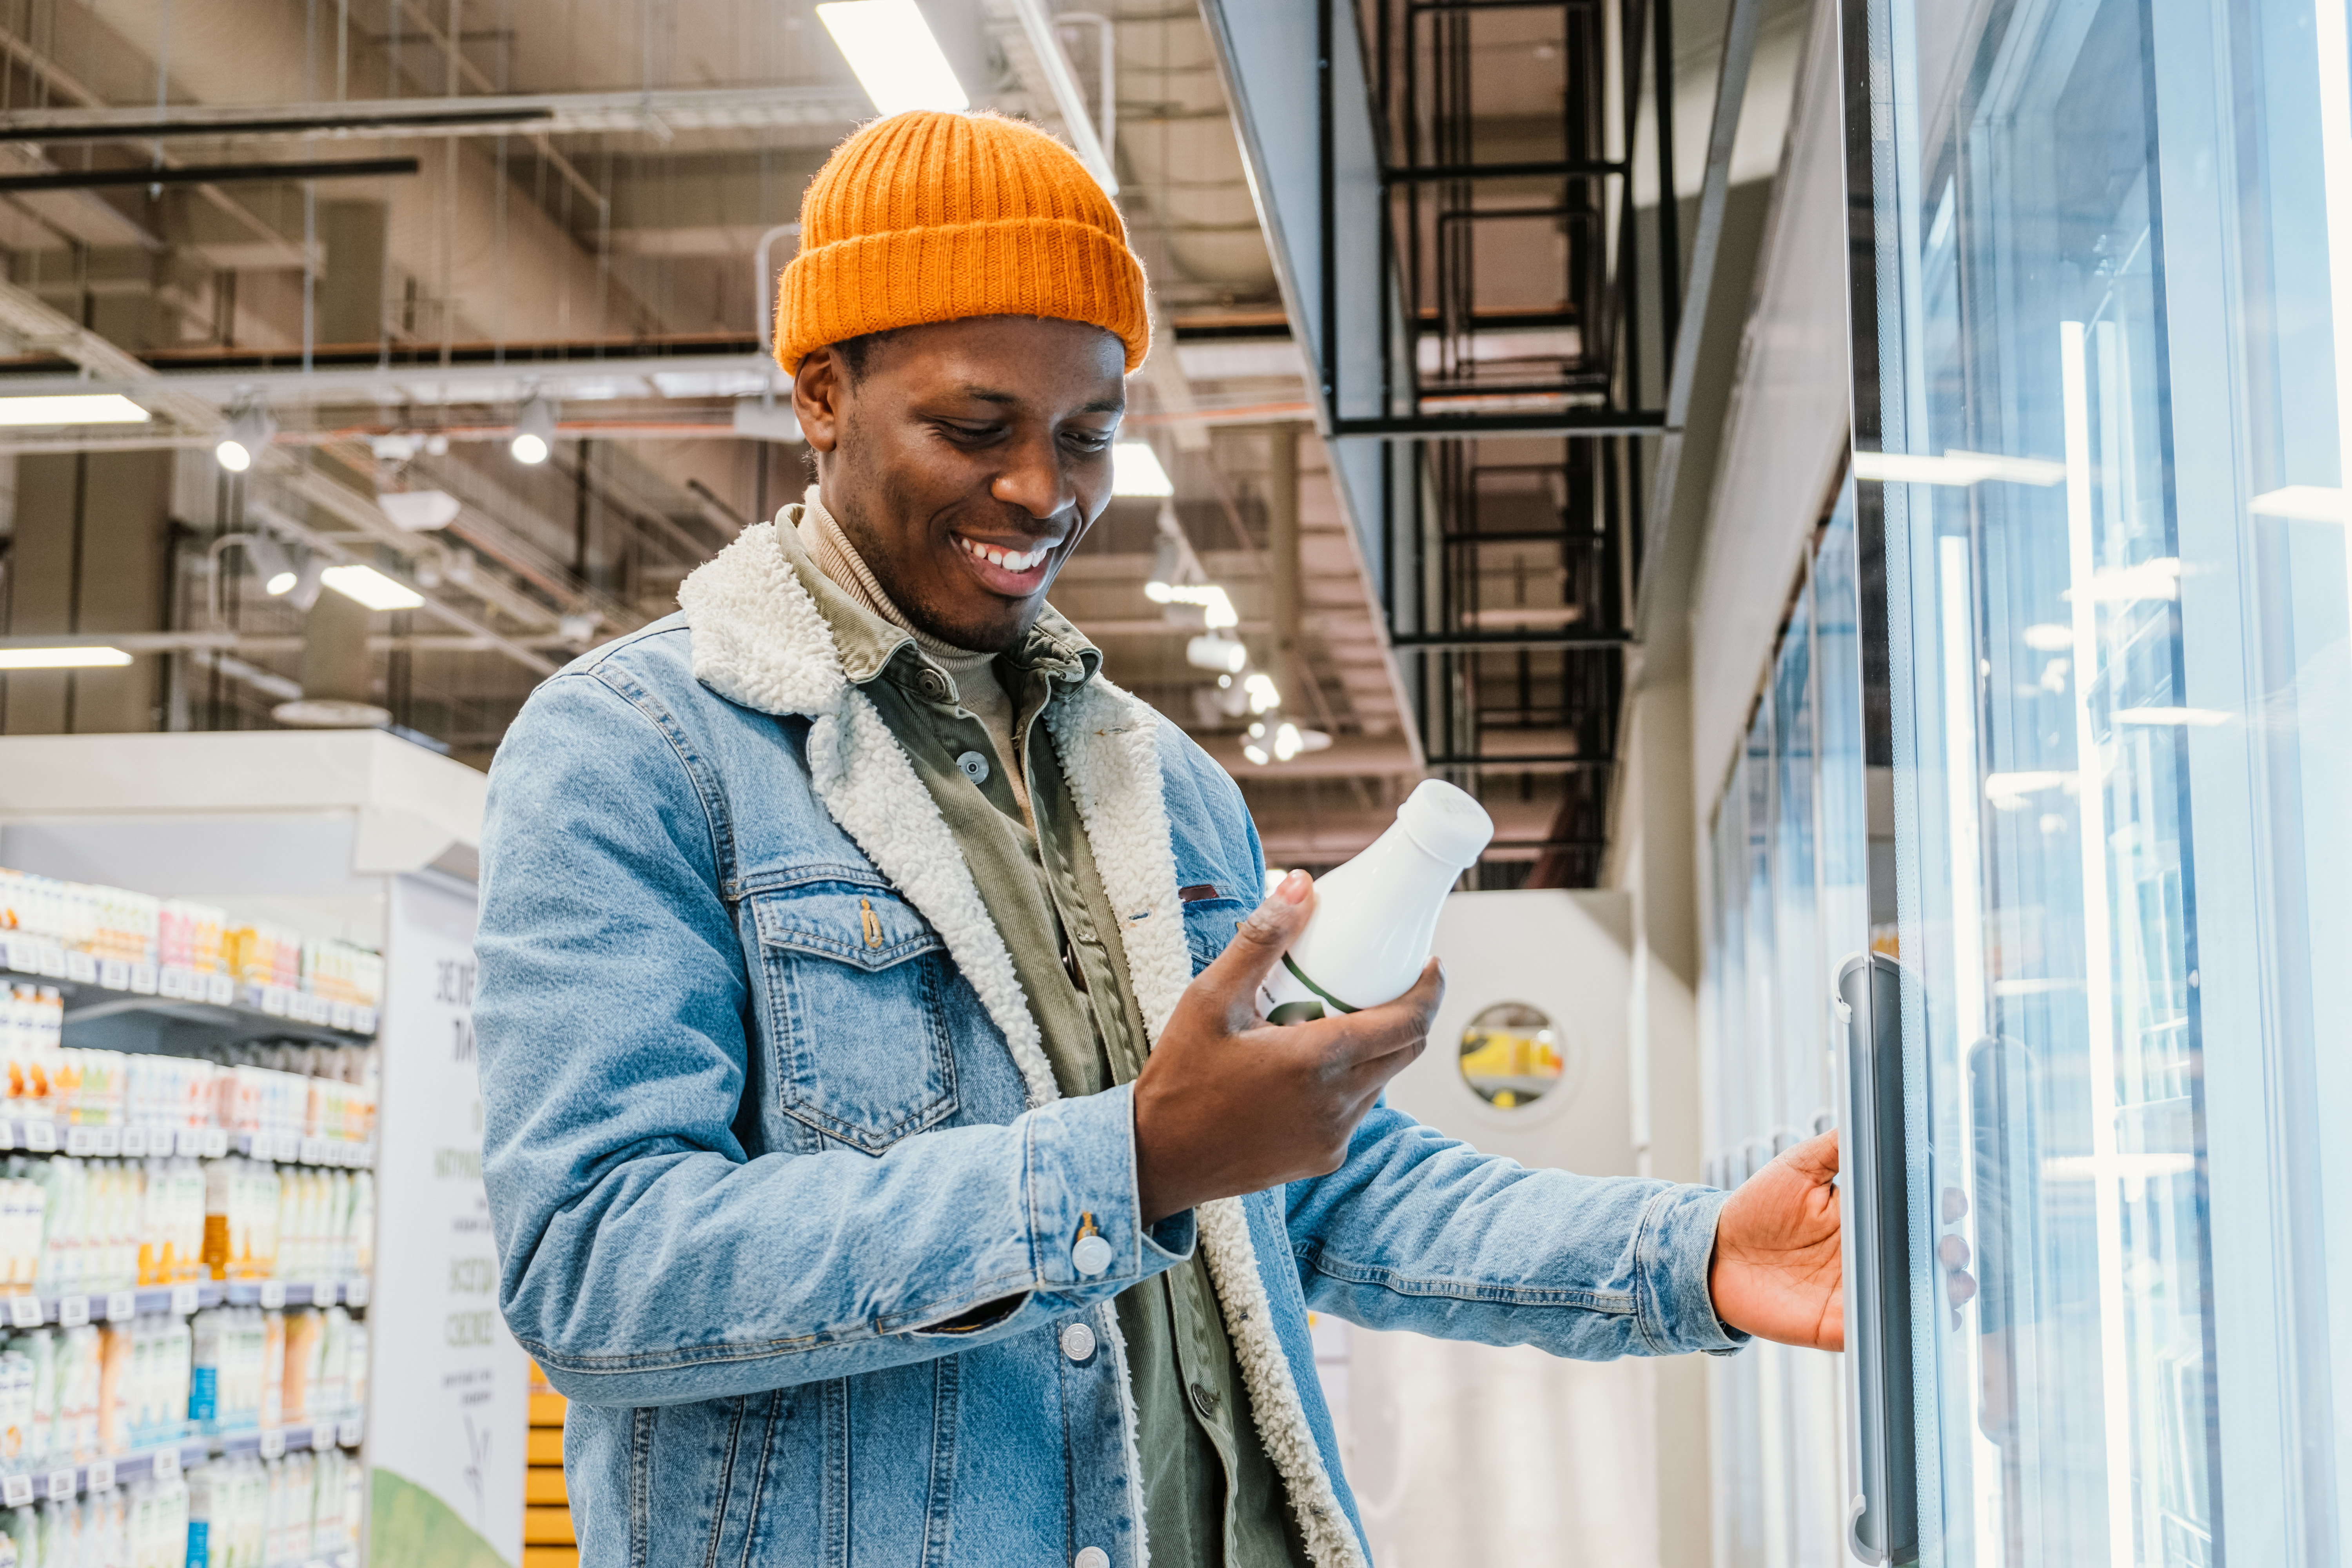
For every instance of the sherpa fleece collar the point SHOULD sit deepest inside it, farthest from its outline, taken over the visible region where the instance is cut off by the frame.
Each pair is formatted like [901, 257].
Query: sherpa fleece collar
[759, 640]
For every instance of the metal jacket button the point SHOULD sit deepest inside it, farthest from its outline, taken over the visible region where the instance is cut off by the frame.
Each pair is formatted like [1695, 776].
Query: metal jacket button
[1092, 1557]
[1077, 1341]
[1204, 1401]
[975, 766]
[1091, 1256]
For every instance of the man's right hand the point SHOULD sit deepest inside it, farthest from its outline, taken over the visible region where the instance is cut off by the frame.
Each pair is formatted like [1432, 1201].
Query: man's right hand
[1230, 1104]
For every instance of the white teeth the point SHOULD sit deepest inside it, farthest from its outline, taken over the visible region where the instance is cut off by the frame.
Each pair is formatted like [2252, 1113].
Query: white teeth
[1011, 560]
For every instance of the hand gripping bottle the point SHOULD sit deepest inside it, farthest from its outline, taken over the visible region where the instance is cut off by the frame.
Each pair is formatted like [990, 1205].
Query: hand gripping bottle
[1376, 916]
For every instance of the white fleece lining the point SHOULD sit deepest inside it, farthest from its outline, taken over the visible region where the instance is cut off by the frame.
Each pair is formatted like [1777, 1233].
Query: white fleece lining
[1110, 753]
[758, 639]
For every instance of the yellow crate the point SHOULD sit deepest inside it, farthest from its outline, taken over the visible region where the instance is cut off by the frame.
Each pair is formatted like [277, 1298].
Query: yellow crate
[547, 1409]
[548, 1527]
[543, 1445]
[551, 1557]
[544, 1483]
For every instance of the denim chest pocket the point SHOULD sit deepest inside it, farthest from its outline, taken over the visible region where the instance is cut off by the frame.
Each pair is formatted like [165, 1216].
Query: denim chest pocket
[857, 1021]
[1209, 926]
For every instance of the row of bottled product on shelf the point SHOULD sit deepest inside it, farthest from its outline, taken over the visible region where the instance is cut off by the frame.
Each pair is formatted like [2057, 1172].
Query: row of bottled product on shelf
[101, 925]
[72, 1396]
[278, 1092]
[288, 1512]
[71, 1226]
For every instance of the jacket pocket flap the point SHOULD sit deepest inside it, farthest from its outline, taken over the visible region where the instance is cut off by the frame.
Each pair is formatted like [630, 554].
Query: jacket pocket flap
[869, 928]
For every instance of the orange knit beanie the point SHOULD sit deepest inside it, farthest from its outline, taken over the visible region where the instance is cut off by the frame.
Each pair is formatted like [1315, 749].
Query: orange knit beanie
[930, 217]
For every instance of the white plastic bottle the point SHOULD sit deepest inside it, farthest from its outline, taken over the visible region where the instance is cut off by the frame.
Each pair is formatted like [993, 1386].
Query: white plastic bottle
[1376, 916]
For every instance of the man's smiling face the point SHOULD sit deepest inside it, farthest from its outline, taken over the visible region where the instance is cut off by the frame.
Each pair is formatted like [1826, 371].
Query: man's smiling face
[964, 460]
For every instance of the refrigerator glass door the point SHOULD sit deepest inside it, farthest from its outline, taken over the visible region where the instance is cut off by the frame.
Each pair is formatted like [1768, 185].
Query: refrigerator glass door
[2102, 337]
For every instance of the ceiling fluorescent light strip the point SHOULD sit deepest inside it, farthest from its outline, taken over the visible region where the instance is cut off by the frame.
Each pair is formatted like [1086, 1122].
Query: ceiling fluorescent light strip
[72, 408]
[82, 657]
[895, 58]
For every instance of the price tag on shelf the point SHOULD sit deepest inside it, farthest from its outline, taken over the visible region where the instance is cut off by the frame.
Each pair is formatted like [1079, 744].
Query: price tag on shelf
[322, 1436]
[170, 985]
[134, 1143]
[53, 960]
[184, 1299]
[339, 1015]
[106, 1141]
[363, 1020]
[274, 1000]
[355, 1294]
[81, 1140]
[114, 974]
[121, 1306]
[220, 990]
[23, 955]
[82, 968]
[273, 1292]
[101, 1474]
[41, 1135]
[322, 1293]
[73, 1311]
[61, 1486]
[142, 979]
[7, 1132]
[348, 1434]
[216, 1143]
[167, 1462]
[24, 1313]
[273, 1442]
[16, 1491]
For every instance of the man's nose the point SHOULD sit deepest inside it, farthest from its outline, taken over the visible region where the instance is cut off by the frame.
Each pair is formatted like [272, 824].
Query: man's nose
[1033, 479]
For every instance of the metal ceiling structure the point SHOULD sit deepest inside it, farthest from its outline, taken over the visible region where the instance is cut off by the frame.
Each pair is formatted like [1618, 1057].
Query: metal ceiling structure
[593, 181]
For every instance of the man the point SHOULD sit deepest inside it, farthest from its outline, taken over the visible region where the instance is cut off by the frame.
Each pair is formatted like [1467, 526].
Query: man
[884, 1154]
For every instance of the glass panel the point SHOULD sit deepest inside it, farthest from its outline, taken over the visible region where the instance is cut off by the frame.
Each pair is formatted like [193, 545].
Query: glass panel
[2103, 334]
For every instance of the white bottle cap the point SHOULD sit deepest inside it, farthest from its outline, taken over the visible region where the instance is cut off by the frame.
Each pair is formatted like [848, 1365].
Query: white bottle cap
[1448, 822]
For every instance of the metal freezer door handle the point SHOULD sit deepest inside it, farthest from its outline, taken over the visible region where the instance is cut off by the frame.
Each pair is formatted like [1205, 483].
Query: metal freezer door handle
[1884, 1526]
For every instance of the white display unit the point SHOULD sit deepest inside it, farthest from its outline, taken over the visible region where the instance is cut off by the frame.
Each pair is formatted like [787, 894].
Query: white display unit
[358, 836]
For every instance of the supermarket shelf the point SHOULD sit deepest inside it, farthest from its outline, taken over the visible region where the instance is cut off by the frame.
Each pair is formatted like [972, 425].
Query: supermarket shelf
[68, 1482]
[271, 1442]
[46, 1135]
[103, 989]
[30, 1312]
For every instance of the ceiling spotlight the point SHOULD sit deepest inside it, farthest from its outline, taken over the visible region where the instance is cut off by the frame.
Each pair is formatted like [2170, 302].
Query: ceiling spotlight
[421, 511]
[303, 591]
[249, 432]
[1134, 471]
[534, 431]
[1211, 651]
[1264, 696]
[897, 61]
[270, 563]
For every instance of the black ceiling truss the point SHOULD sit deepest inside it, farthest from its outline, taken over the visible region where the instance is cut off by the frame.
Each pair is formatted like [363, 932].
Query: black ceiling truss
[1511, 537]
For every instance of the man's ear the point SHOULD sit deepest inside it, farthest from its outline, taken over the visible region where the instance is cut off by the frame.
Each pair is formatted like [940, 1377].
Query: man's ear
[820, 396]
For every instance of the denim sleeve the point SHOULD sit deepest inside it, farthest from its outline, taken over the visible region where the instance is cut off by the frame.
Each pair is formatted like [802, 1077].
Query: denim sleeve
[644, 1258]
[1417, 1231]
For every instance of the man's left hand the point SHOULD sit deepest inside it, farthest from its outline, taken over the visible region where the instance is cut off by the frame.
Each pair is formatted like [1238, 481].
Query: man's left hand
[1778, 1273]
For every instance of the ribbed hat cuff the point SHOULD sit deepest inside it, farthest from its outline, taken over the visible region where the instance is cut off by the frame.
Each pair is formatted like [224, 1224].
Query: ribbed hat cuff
[950, 272]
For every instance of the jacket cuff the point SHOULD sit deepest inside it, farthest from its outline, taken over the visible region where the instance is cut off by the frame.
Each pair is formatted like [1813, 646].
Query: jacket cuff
[1673, 1253]
[1080, 1184]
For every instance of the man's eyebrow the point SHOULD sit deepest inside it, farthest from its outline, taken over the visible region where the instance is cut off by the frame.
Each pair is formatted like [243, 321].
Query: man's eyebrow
[1013, 400]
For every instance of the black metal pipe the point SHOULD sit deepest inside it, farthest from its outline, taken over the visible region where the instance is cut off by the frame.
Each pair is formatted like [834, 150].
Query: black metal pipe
[1516, 764]
[167, 130]
[1533, 169]
[207, 174]
[1470, 426]
[1480, 642]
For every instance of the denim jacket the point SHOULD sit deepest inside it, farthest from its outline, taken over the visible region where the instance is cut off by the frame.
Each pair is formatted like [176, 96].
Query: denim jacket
[785, 1198]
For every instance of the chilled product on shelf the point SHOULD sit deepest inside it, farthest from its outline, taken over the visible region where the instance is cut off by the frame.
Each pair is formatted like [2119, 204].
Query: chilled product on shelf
[269, 1513]
[144, 1525]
